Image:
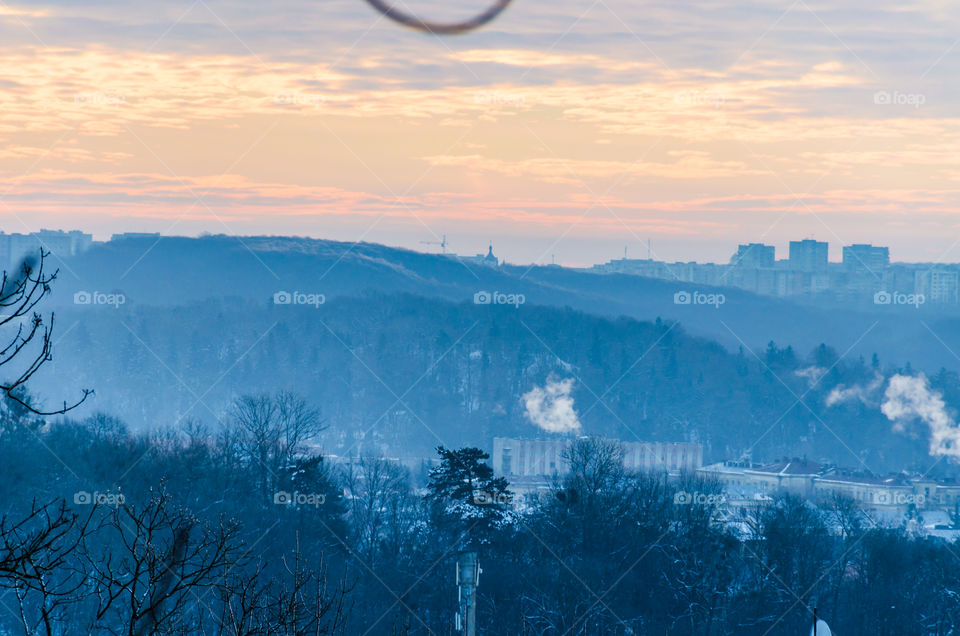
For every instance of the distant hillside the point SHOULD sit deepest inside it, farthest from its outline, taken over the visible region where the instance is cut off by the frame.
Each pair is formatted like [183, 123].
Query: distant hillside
[399, 374]
[182, 271]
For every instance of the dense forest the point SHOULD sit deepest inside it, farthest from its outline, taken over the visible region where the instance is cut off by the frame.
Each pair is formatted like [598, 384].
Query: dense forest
[398, 374]
[109, 532]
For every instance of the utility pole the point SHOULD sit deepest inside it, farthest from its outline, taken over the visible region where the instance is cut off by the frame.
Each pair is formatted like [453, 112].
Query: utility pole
[468, 577]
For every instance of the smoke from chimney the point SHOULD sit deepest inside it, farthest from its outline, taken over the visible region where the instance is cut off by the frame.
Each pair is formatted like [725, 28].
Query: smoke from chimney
[907, 397]
[551, 407]
[862, 392]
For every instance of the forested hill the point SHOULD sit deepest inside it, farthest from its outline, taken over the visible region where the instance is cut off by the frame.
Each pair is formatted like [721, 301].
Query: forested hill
[184, 271]
[399, 374]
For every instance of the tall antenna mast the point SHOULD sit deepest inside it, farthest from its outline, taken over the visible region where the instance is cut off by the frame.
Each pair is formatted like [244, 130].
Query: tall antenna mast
[468, 577]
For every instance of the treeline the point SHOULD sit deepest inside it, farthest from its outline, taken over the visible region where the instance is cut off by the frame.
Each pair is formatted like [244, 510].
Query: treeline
[246, 530]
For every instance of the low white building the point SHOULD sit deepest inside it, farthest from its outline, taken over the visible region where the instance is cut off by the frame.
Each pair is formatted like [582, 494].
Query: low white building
[895, 493]
[545, 457]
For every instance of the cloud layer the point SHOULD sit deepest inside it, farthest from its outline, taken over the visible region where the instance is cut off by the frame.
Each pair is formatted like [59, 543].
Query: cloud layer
[710, 122]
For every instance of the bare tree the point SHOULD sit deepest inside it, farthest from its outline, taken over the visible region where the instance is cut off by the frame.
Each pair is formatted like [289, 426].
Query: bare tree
[296, 602]
[379, 492]
[151, 570]
[25, 352]
[153, 565]
[596, 467]
[272, 432]
[34, 554]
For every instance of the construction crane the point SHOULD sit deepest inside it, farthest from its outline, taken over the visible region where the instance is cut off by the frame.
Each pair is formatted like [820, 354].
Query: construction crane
[442, 243]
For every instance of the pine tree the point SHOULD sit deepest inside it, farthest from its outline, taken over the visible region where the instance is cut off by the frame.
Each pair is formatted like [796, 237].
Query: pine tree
[466, 497]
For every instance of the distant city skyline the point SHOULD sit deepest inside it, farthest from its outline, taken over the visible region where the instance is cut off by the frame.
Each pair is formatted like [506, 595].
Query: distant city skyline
[507, 247]
[865, 274]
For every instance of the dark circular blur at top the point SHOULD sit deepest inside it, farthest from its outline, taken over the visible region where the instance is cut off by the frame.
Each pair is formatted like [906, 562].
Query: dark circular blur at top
[441, 28]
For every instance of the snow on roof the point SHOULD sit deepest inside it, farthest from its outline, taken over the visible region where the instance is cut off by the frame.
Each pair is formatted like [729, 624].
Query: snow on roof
[791, 467]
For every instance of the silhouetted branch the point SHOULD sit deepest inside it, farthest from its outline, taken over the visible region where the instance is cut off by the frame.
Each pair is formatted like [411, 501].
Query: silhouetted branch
[19, 295]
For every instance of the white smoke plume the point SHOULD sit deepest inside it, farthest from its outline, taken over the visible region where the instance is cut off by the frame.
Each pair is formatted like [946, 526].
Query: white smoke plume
[551, 407]
[862, 392]
[811, 374]
[907, 397]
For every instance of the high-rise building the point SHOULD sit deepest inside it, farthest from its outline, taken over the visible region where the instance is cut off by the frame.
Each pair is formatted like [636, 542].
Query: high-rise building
[754, 255]
[15, 247]
[938, 285]
[863, 257]
[808, 255]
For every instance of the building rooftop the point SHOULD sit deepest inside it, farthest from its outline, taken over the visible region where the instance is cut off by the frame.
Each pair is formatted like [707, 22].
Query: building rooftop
[863, 477]
[790, 467]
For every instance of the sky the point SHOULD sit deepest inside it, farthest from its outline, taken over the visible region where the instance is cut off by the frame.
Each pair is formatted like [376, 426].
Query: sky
[564, 131]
